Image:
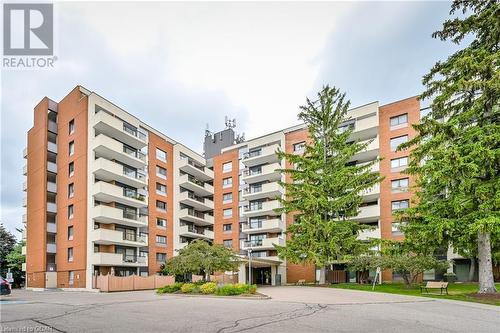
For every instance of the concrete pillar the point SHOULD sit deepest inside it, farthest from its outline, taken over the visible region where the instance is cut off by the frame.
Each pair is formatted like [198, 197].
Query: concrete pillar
[242, 274]
[274, 271]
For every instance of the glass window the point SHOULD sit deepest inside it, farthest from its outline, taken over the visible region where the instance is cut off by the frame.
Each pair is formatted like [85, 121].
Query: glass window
[70, 254]
[161, 240]
[161, 189]
[71, 169]
[227, 198]
[70, 232]
[228, 212]
[400, 184]
[395, 142]
[400, 204]
[162, 223]
[299, 147]
[161, 155]
[71, 190]
[160, 205]
[161, 172]
[227, 227]
[399, 162]
[227, 167]
[227, 182]
[71, 277]
[71, 148]
[399, 120]
[71, 211]
[161, 257]
[71, 126]
[228, 243]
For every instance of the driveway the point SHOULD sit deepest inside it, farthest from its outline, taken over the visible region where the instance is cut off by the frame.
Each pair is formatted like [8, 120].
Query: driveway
[291, 309]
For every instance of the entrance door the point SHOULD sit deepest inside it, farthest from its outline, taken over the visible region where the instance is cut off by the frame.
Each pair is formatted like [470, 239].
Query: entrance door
[50, 279]
[262, 275]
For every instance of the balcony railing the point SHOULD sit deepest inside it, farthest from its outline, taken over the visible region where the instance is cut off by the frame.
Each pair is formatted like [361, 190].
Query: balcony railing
[192, 163]
[253, 189]
[133, 194]
[252, 172]
[252, 243]
[134, 237]
[196, 213]
[193, 180]
[195, 197]
[134, 153]
[134, 174]
[132, 215]
[135, 132]
[251, 154]
[195, 230]
[254, 206]
[133, 258]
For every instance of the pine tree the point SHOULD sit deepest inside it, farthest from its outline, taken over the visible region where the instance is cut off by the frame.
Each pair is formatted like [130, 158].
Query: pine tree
[457, 152]
[326, 187]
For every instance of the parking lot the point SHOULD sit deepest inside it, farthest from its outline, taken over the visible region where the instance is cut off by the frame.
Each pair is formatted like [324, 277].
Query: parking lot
[291, 309]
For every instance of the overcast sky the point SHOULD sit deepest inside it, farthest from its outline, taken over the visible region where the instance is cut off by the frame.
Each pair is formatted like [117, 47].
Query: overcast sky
[180, 66]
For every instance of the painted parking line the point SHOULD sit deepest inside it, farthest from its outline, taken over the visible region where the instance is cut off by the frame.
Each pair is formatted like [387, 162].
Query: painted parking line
[11, 302]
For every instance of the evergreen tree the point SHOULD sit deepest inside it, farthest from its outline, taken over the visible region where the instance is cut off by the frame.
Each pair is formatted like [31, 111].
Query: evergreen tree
[7, 243]
[457, 152]
[326, 188]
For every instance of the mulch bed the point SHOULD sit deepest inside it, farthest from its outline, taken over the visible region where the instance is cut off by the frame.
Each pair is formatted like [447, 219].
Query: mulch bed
[486, 297]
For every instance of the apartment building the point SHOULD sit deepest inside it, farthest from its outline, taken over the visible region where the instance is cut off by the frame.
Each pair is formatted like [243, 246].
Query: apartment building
[108, 194]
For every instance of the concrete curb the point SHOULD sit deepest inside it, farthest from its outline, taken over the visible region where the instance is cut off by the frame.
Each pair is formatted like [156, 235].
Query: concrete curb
[256, 298]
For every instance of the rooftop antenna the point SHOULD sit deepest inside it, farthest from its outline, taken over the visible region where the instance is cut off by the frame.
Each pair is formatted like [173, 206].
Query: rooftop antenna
[230, 123]
[207, 131]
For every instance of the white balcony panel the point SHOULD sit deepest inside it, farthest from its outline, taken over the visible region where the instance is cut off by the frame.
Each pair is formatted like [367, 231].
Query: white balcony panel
[108, 171]
[368, 213]
[52, 187]
[51, 207]
[264, 244]
[267, 208]
[371, 151]
[52, 167]
[23, 250]
[114, 150]
[193, 232]
[371, 194]
[272, 225]
[117, 259]
[107, 192]
[51, 248]
[25, 218]
[114, 237]
[25, 170]
[25, 152]
[107, 214]
[262, 155]
[197, 218]
[23, 267]
[201, 172]
[199, 188]
[25, 186]
[52, 147]
[366, 234]
[52, 228]
[266, 172]
[114, 127]
[266, 190]
[198, 203]
[23, 234]
[25, 202]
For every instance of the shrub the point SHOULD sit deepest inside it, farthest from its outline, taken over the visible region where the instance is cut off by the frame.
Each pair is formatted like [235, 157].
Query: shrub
[170, 288]
[188, 288]
[235, 289]
[208, 288]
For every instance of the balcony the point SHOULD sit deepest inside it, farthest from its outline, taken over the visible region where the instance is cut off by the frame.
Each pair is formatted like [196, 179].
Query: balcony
[368, 213]
[23, 250]
[51, 228]
[198, 203]
[52, 126]
[371, 193]
[267, 190]
[261, 155]
[25, 186]
[272, 225]
[198, 187]
[197, 217]
[25, 170]
[369, 233]
[23, 267]
[115, 237]
[108, 171]
[262, 208]
[52, 167]
[51, 247]
[117, 259]
[262, 244]
[107, 192]
[52, 147]
[51, 207]
[107, 214]
[111, 149]
[266, 172]
[193, 168]
[25, 202]
[25, 218]
[371, 152]
[25, 152]
[194, 232]
[122, 131]
[23, 235]
[52, 187]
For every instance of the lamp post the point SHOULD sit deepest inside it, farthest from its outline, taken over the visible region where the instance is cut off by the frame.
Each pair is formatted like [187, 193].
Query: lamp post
[250, 265]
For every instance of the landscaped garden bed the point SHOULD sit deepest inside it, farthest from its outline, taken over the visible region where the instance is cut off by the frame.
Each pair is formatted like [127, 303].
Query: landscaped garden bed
[210, 288]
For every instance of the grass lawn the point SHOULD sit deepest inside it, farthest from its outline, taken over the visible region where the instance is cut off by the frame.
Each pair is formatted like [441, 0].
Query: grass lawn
[457, 291]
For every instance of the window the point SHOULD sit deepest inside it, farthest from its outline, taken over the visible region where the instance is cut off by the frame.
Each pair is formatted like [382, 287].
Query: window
[160, 205]
[399, 120]
[70, 254]
[227, 182]
[161, 240]
[162, 223]
[96, 248]
[70, 232]
[399, 162]
[71, 169]
[71, 211]
[71, 190]
[399, 184]
[299, 147]
[227, 167]
[161, 189]
[161, 172]
[228, 212]
[71, 277]
[400, 204]
[227, 198]
[71, 126]
[228, 243]
[71, 148]
[161, 155]
[227, 227]
[395, 142]
[161, 257]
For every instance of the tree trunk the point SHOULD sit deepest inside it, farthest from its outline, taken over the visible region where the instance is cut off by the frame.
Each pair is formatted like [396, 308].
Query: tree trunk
[486, 282]
[322, 275]
[472, 269]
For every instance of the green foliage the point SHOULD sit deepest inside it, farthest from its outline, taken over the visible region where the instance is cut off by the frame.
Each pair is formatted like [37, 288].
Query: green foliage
[326, 187]
[201, 257]
[208, 288]
[169, 289]
[7, 243]
[458, 196]
[187, 288]
[236, 289]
